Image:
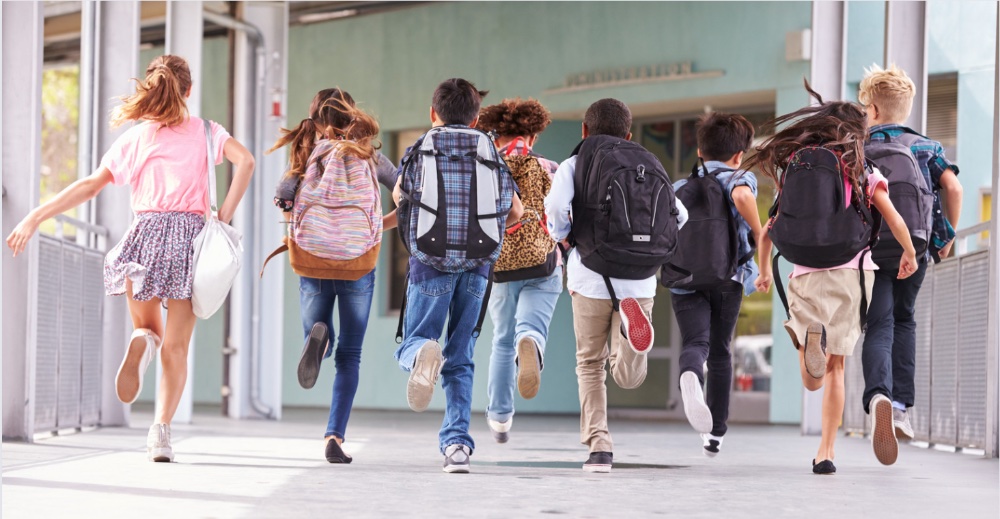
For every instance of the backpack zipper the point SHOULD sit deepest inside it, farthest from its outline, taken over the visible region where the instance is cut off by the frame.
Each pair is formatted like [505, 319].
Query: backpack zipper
[656, 201]
[625, 202]
[298, 221]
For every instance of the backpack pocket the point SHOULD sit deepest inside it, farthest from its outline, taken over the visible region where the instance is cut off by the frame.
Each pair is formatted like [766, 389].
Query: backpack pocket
[334, 232]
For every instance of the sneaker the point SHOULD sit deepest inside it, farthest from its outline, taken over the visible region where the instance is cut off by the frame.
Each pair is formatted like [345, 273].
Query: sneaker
[500, 429]
[815, 354]
[335, 453]
[423, 376]
[824, 468]
[636, 326]
[529, 369]
[711, 445]
[141, 349]
[698, 414]
[312, 355]
[901, 422]
[598, 462]
[883, 434]
[158, 443]
[456, 459]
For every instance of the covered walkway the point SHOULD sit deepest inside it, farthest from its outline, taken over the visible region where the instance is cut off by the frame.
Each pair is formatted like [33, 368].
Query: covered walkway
[262, 469]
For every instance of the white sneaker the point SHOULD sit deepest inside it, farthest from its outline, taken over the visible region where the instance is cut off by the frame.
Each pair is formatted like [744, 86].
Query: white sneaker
[423, 376]
[140, 351]
[697, 412]
[500, 429]
[883, 434]
[456, 459]
[158, 443]
[711, 445]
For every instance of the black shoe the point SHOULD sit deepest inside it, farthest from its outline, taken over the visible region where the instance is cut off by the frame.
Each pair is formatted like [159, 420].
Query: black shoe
[598, 462]
[824, 467]
[312, 355]
[335, 454]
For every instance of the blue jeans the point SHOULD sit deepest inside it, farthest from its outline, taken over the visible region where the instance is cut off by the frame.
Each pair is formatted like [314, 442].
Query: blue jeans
[458, 298]
[317, 297]
[518, 309]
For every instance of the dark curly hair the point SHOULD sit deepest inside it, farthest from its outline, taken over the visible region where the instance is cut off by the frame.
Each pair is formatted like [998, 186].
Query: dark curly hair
[514, 118]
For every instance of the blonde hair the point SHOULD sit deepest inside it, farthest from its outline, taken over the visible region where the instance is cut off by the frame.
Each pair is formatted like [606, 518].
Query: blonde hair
[889, 89]
[160, 97]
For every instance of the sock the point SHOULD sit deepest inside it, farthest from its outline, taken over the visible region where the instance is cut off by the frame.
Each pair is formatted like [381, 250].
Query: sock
[897, 405]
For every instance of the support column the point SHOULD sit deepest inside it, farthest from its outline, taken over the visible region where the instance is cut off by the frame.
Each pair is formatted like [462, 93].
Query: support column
[116, 57]
[993, 344]
[185, 30]
[22, 51]
[906, 46]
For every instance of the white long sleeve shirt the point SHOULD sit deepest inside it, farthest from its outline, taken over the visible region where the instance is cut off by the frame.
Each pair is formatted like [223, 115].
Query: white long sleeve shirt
[579, 278]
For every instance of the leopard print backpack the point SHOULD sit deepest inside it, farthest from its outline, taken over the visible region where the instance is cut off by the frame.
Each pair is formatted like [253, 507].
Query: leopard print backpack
[527, 247]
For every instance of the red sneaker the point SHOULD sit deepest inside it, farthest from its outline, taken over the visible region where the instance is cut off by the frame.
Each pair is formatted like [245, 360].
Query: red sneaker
[636, 326]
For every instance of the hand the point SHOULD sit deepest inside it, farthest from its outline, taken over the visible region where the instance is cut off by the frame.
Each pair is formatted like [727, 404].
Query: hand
[907, 265]
[19, 237]
[946, 250]
[223, 218]
[763, 282]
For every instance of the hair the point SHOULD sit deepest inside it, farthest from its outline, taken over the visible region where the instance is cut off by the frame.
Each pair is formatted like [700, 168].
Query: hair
[332, 112]
[721, 135]
[160, 97]
[889, 89]
[840, 126]
[514, 118]
[608, 117]
[456, 101]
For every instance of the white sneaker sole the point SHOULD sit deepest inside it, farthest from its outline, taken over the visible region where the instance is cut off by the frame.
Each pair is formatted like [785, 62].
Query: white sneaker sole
[128, 381]
[423, 376]
[529, 373]
[456, 469]
[697, 412]
[883, 433]
[903, 433]
[160, 455]
[597, 469]
[708, 453]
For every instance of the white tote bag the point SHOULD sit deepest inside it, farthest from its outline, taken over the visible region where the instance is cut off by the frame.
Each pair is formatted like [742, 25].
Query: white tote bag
[217, 251]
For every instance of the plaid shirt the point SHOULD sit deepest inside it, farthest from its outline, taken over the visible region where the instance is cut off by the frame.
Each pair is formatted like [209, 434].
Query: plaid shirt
[930, 157]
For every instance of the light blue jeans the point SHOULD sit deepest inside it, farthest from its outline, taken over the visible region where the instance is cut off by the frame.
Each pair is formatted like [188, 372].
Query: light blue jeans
[518, 309]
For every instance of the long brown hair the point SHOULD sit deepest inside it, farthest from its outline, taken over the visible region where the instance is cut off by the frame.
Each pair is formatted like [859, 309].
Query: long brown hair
[840, 126]
[332, 112]
[160, 97]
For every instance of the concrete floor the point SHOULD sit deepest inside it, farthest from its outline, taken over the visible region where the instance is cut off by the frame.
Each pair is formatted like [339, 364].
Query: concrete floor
[228, 468]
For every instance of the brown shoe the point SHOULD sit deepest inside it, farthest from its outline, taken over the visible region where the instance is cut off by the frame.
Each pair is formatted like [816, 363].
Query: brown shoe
[815, 350]
[529, 371]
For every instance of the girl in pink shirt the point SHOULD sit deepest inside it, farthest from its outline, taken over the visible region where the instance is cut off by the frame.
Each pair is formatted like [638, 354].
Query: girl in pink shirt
[163, 160]
[823, 302]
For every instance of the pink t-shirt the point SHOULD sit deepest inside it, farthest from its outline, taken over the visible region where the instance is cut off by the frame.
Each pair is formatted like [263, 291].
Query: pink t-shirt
[166, 166]
[875, 180]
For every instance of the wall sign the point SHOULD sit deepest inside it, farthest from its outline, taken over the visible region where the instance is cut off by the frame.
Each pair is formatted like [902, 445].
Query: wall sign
[622, 76]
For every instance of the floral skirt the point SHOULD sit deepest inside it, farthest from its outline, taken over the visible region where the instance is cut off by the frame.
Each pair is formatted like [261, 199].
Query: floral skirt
[157, 255]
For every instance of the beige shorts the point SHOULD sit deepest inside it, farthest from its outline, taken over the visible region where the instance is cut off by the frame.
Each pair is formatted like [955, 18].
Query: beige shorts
[832, 298]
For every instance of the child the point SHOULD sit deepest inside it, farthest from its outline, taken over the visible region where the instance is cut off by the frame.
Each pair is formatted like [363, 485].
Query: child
[889, 353]
[521, 309]
[164, 161]
[707, 312]
[607, 125]
[455, 197]
[823, 302]
[339, 164]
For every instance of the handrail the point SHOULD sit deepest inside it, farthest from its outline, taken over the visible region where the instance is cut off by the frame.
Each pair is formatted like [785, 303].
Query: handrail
[961, 247]
[87, 226]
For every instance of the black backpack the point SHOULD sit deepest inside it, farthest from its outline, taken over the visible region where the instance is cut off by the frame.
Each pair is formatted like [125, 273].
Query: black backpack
[908, 191]
[810, 224]
[708, 244]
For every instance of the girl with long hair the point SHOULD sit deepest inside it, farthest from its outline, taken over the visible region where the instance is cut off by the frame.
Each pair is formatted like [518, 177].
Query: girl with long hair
[337, 139]
[823, 302]
[163, 160]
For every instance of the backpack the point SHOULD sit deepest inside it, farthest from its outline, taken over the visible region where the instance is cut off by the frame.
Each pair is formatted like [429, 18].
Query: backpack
[810, 224]
[624, 211]
[908, 191]
[708, 244]
[455, 194]
[335, 230]
[528, 252]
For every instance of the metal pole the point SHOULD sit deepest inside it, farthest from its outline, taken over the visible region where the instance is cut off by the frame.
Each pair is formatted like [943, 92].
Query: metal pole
[993, 344]
[906, 46]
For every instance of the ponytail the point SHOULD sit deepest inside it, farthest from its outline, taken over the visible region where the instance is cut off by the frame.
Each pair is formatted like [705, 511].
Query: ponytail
[160, 97]
[302, 139]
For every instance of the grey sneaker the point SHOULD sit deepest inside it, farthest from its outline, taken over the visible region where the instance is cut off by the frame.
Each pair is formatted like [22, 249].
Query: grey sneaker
[158, 443]
[139, 353]
[901, 422]
[883, 437]
[456, 459]
[423, 376]
[500, 429]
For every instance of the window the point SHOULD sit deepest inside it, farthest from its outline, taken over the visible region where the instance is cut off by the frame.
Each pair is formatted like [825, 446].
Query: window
[942, 112]
[398, 255]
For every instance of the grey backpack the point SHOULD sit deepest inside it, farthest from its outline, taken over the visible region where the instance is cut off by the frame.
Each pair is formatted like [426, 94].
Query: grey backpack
[908, 191]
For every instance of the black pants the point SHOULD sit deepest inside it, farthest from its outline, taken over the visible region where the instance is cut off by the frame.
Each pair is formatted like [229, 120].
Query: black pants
[888, 356]
[707, 320]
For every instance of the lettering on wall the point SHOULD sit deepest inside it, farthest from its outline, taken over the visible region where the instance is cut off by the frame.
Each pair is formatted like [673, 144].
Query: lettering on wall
[621, 76]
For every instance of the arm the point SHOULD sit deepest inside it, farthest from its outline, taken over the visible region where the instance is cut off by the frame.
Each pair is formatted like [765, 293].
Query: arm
[559, 201]
[397, 190]
[952, 190]
[516, 210]
[908, 263]
[763, 282]
[75, 194]
[389, 221]
[746, 205]
[244, 162]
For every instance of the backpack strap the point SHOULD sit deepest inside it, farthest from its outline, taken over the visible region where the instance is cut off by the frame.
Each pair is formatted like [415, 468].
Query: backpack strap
[402, 307]
[484, 305]
[779, 286]
[611, 291]
[864, 291]
[279, 250]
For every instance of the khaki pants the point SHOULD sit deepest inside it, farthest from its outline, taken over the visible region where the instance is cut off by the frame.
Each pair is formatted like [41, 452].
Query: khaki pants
[593, 321]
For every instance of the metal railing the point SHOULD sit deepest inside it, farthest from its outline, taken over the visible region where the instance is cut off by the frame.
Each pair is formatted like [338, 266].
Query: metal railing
[69, 327]
[951, 378]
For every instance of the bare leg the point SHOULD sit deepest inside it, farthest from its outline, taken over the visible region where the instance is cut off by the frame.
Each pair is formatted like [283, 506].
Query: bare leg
[145, 314]
[833, 406]
[173, 358]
